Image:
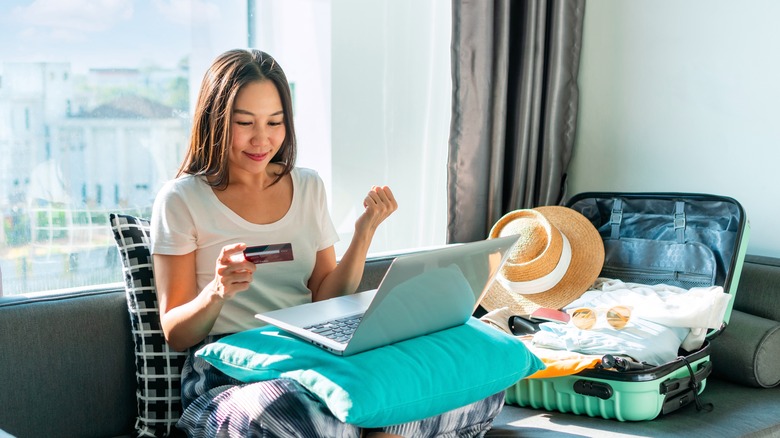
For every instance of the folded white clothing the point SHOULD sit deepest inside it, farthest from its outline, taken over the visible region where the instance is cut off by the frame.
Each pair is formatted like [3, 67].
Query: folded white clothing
[698, 308]
[664, 318]
[645, 341]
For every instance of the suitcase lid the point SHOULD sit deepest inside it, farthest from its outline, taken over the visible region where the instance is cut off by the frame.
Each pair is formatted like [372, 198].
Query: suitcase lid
[682, 239]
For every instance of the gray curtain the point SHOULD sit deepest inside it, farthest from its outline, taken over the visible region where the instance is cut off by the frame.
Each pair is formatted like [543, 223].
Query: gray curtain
[515, 99]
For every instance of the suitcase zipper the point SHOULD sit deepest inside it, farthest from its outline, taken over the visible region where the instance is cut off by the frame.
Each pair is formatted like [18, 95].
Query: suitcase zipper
[657, 276]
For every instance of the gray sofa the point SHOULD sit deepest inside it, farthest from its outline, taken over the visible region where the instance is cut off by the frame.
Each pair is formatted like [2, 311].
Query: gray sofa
[67, 370]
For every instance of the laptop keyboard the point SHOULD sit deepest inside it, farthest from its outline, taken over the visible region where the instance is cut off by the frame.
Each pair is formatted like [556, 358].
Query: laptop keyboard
[339, 330]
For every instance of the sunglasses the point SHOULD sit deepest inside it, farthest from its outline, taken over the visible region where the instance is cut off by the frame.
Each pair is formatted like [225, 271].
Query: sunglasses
[585, 318]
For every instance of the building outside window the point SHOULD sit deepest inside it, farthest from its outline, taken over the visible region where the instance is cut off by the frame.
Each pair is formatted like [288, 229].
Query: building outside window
[95, 109]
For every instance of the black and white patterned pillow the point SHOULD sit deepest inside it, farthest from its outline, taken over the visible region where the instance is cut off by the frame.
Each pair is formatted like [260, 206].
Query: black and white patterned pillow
[158, 367]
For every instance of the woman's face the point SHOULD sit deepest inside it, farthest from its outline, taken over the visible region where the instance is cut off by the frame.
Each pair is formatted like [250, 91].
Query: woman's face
[258, 127]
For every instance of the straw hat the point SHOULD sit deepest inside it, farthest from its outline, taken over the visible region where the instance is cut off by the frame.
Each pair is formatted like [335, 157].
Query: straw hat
[557, 258]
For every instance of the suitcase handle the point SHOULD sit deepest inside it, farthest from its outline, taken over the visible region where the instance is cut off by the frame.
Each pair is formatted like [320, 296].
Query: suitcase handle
[616, 218]
[682, 391]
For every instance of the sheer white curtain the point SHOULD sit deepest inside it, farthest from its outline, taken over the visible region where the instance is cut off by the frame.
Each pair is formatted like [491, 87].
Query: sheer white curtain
[391, 94]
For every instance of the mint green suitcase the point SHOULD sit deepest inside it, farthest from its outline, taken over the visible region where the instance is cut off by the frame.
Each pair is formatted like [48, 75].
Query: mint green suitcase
[639, 230]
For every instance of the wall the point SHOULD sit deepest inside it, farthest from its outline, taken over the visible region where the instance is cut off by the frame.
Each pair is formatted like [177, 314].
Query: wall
[682, 96]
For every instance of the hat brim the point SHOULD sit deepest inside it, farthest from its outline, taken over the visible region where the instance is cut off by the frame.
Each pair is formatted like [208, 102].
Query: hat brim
[586, 263]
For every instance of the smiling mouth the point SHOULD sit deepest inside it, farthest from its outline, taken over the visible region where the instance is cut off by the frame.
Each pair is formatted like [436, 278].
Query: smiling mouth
[256, 157]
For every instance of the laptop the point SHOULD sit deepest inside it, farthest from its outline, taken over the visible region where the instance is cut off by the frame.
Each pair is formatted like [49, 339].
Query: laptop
[420, 293]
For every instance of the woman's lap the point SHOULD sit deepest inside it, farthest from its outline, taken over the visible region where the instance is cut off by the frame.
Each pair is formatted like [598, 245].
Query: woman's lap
[218, 405]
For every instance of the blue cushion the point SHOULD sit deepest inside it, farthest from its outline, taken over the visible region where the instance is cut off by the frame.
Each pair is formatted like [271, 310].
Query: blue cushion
[403, 382]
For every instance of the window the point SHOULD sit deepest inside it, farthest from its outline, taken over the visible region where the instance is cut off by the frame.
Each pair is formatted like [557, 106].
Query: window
[95, 115]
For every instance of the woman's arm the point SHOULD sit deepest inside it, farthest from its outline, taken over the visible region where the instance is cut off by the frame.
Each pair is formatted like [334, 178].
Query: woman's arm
[330, 279]
[187, 315]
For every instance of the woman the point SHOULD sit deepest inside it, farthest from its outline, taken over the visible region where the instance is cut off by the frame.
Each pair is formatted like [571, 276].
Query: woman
[238, 186]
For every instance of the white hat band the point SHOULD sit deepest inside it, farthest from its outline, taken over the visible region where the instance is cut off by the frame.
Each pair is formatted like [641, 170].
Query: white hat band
[545, 283]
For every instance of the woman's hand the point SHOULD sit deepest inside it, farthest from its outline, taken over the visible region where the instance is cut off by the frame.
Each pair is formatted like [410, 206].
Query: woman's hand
[233, 273]
[188, 314]
[330, 279]
[379, 205]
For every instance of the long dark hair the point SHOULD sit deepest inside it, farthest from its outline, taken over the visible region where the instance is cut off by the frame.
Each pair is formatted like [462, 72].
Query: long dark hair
[210, 138]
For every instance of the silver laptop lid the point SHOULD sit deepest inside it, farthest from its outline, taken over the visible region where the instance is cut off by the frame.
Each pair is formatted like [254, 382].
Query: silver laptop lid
[430, 291]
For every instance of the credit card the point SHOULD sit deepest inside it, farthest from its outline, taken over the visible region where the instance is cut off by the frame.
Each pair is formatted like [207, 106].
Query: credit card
[279, 252]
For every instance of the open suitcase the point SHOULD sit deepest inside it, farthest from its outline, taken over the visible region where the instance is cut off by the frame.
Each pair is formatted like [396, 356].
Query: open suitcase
[650, 238]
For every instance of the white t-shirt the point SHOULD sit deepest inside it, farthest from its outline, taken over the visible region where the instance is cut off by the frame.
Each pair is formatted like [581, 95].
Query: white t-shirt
[187, 216]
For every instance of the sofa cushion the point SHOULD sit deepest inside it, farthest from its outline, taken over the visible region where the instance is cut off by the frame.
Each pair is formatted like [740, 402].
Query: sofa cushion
[158, 367]
[758, 293]
[402, 382]
[66, 364]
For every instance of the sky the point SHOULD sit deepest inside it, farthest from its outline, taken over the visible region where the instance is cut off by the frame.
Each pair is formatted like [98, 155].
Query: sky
[109, 33]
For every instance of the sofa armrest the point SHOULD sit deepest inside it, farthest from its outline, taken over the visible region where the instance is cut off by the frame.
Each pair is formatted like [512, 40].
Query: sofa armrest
[747, 351]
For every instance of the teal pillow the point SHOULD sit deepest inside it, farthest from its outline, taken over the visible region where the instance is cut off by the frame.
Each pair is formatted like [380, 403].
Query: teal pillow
[403, 382]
